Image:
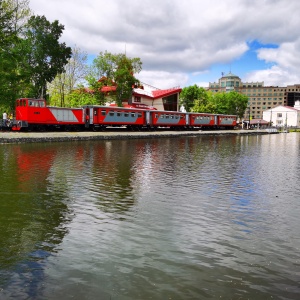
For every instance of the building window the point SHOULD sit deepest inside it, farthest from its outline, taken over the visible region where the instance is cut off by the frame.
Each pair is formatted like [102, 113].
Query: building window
[279, 115]
[137, 99]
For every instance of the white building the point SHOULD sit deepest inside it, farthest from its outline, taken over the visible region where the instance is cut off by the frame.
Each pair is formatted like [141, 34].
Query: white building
[283, 116]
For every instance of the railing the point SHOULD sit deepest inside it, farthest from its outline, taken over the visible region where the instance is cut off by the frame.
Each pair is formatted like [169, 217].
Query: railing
[272, 130]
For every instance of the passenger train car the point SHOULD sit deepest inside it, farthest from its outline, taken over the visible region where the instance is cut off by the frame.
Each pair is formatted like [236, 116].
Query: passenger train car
[34, 114]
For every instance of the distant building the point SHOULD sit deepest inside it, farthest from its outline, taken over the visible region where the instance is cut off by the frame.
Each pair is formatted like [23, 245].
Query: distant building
[260, 97]
[283, 116]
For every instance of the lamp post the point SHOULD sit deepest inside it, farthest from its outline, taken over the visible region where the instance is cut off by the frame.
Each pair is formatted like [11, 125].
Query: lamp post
[249, 117]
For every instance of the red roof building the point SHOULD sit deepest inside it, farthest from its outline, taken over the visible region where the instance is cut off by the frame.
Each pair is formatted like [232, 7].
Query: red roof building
[167, 99]
[146, 96]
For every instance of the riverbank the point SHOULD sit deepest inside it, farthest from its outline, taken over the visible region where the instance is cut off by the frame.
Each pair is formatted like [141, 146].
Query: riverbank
[7, 137]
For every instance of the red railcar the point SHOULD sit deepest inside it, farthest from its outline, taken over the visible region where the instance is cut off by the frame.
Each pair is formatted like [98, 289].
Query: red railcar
[35, 114]
[226, 121]
[202, 120]
[168, 119]
[99, 117]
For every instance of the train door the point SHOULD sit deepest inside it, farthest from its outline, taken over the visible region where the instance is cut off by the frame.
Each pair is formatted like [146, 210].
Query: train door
[216, 120]
[88, 116]
[149, 118]
[187, 119]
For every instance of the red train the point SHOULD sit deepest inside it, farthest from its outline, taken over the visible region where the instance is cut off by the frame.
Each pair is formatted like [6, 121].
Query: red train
[34, 114]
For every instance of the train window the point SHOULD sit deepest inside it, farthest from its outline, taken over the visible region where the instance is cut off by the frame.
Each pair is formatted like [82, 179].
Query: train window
[156, 116]
[139, 115]
[167, 116]
[181, 117]
[103, 112]
[132, 114]
[30, 103]
[111, 113]
[95, 112]
[126, 115]
[41, 103]
[118, 114]
[161, 116]
[176, 117]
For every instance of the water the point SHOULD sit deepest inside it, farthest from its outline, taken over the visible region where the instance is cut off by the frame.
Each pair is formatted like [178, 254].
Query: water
[180, 218]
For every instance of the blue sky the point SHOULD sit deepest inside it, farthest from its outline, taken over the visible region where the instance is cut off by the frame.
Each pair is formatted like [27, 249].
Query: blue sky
[239, 66]
[188, 42]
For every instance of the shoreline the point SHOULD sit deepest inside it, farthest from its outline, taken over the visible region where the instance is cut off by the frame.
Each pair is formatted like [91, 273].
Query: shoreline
[9, 137]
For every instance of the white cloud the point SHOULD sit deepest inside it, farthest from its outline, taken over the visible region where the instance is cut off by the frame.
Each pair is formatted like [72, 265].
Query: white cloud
[286, 65]
[181, 37]
[163, 80]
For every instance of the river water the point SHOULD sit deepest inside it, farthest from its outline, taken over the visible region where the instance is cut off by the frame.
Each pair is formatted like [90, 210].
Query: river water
[211, 217]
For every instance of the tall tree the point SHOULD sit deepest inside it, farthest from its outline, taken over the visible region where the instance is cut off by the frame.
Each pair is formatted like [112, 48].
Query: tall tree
[13, 73]
[237, 104]
[207, 106]
[21, 12]
[190, 94]
[8, 59]
[117, 69]
[46, 56]
[232, 103]
[74, 74]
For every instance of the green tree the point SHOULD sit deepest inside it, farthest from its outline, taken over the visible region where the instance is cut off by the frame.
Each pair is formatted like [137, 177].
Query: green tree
[232, 103]
[220, 102]
[237, 104]
[96, 87]
[118, 70]
[64, 83]
[46, 57]
[193, 93]
[21, 12]
[207, 106]
[81, 97]
[7, 59]
[13, 75]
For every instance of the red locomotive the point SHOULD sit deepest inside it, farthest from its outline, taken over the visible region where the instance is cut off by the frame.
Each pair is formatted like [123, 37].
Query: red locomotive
[34, 114]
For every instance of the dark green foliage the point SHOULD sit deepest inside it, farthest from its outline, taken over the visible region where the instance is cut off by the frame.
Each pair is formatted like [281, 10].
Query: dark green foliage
[8, 56]
[30, 56]
[46, 57]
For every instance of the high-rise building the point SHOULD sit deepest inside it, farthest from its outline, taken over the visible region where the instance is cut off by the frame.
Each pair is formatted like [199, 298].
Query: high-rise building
[260, 97]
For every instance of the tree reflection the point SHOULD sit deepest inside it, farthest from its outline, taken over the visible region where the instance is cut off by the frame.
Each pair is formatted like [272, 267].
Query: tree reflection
[33, 216]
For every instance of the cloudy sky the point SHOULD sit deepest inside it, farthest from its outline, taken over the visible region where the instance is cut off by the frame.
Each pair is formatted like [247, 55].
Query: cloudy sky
[182, 43]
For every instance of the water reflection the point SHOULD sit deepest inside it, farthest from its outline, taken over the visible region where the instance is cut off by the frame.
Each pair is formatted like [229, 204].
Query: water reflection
[183, 218]
[33, 217]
